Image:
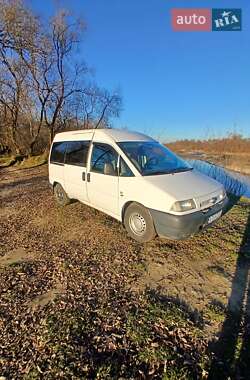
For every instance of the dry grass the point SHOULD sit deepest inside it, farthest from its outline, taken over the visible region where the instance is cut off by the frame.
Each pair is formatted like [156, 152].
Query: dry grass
[23, 162]
[33, 161]
[233, 144]
[232, 152]
[82, 300]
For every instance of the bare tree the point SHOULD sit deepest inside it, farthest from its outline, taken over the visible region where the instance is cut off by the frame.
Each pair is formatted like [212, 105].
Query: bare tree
[94, 107]
[50, 90]
[108, 106]
[61, 74]
[19, 29]
[12, 82]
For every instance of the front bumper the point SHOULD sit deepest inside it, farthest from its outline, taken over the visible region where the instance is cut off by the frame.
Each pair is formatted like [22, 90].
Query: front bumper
[179, 227]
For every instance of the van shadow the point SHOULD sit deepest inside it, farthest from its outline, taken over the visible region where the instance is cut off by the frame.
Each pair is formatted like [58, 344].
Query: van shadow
[231, 353]
[232, 201]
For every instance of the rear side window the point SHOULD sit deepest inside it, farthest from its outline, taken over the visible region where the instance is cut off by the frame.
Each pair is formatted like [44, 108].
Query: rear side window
[77, 153]
[58, 152]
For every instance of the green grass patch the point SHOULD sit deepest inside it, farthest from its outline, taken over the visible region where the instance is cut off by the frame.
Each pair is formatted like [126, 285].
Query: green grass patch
[6, 161]
[23, 162]
[215, 312]
[33, 161]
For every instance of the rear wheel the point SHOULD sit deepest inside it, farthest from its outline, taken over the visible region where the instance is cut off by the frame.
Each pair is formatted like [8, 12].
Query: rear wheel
[60, 195]
[139, 223]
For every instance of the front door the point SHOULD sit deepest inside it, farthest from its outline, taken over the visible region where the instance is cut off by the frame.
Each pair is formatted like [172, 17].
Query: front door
[75, 169]
[102, 179]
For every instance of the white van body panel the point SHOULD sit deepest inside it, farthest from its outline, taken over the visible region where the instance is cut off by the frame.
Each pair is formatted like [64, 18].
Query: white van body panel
[56, 174]
[102, 192]
[160, 192]
[111, 194]
[140, 190]
[74, 135]
[74, 186]
[179, 187]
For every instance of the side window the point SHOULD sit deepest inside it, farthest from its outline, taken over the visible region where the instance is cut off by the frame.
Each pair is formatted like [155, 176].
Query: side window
[58, 152]
[124, 170]
[104, 159]
[77, 153]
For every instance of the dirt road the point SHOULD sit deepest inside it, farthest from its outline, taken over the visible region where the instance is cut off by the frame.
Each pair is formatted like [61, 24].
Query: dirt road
[79, 299]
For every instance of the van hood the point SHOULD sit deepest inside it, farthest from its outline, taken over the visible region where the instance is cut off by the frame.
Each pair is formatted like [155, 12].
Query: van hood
[185, 185]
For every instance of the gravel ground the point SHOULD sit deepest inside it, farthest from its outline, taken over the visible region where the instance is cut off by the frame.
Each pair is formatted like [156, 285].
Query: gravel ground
[80, 300]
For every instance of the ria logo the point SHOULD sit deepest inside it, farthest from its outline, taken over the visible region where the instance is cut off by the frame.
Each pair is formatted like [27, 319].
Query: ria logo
[206, 19]
[226, 20]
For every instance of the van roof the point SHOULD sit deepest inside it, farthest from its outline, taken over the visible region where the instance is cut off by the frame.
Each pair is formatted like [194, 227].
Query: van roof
[104, 134]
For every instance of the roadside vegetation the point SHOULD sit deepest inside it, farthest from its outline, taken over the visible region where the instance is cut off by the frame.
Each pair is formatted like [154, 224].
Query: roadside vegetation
[23, 162]
[45, 84]
[233, 143]
[232, 152]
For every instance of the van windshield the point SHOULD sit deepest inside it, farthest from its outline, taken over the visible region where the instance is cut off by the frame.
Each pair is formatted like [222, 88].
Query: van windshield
[152, 158]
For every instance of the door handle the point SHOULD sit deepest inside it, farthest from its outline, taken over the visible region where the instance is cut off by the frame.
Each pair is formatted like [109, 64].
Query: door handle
[83, 176]
[88, 177]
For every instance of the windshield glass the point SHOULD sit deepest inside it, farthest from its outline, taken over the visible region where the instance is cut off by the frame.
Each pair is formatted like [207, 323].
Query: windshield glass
[152, 158]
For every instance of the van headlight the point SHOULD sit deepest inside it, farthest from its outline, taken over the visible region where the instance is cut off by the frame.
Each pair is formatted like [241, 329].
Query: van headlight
[222, 194]
[181, 206]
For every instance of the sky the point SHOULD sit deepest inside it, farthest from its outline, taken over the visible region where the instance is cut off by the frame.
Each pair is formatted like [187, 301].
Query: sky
[174, 85]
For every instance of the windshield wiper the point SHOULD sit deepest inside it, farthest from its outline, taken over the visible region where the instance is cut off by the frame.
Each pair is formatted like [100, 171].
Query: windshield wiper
[180, 170]
[158, 172]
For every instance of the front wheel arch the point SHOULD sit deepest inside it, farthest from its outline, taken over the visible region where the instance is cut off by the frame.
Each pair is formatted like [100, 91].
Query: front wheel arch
[125, 206]
[150, 232]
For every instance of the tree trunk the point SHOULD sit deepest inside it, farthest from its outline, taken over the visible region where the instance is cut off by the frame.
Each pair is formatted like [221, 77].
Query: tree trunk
[34, 134]
[51, 134]
[31, 147]
[13, 141]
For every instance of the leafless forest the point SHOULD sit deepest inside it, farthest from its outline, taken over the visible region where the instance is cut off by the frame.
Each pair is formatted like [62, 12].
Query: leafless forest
[233, 143]
[231, 152]
[45, 84]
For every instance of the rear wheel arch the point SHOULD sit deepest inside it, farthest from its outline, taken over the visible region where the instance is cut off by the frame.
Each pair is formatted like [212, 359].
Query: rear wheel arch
[60, 194]
[54, 184]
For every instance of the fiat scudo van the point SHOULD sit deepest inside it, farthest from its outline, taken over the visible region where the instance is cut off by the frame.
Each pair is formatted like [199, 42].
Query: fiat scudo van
[136, 180]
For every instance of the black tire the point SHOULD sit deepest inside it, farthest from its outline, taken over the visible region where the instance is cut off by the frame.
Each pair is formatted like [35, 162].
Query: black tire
[61, 197]
[139, 223]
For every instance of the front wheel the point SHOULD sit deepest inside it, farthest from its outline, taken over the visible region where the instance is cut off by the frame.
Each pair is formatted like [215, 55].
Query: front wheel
[139, 223]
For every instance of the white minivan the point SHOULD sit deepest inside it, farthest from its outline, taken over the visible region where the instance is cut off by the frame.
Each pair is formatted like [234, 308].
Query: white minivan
[136, 180]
